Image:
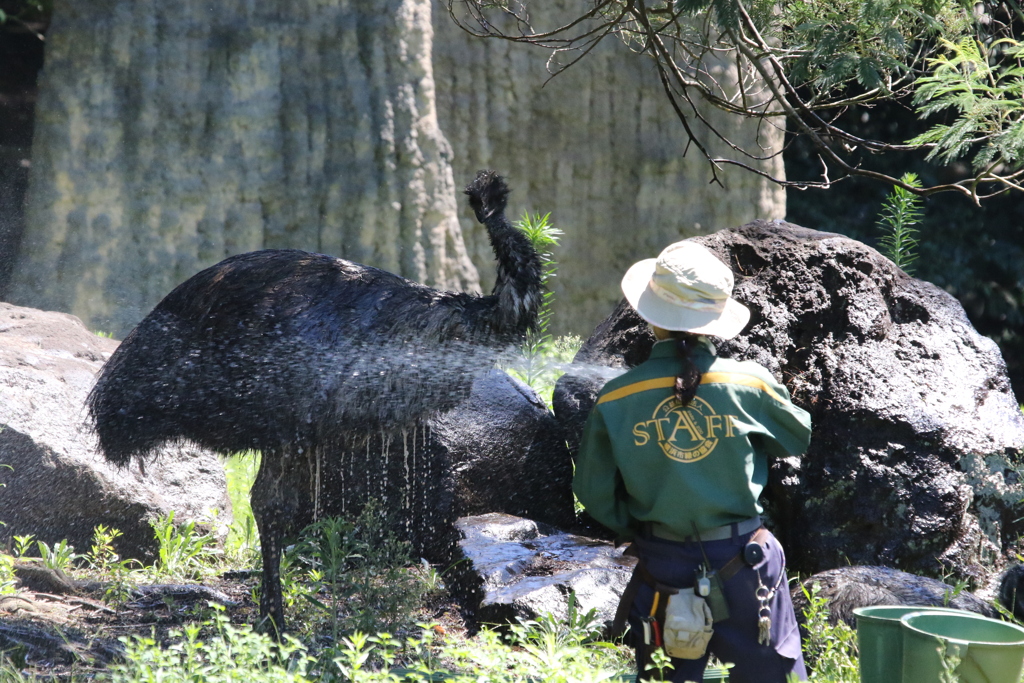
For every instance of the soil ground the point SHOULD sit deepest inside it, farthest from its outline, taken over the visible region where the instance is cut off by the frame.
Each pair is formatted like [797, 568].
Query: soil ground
[73, 636]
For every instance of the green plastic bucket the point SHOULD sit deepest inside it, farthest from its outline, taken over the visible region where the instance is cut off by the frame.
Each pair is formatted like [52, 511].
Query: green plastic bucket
[989, 651]
[880, 640]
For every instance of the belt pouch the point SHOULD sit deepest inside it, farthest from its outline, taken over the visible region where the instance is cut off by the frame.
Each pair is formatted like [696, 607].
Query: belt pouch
[687, 625]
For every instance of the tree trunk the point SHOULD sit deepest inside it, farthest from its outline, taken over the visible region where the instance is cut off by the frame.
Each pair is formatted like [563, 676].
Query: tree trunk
[171, 135]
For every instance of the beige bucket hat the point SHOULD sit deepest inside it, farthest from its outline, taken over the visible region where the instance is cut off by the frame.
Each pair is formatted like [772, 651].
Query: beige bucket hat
[687, 288]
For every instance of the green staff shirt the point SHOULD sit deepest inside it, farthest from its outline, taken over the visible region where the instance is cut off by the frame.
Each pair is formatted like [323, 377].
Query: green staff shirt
[644, 458]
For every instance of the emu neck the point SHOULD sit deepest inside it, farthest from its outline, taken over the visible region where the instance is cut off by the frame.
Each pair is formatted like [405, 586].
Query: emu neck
[518, 284]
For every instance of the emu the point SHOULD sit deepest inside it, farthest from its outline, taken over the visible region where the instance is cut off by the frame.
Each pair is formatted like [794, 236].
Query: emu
[297, 355]
[848, 588]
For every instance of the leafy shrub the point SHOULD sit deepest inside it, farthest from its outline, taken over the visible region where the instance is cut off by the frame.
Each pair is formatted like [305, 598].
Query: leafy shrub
[103, 558]
[242, 545]
[831, 651]
[235, 653]
[361, 573]
[183, 552]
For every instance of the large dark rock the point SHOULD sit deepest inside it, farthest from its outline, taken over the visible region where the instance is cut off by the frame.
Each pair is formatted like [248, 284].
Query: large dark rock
[507, 453]
[499, 450]
[916, 431]
[55, 483]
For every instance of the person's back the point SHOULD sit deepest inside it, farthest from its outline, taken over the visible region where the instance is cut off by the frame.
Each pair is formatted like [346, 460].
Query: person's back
[674, 457]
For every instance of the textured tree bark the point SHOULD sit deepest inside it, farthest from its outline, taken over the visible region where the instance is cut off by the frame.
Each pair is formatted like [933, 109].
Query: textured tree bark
[600, 147]
[171, 135]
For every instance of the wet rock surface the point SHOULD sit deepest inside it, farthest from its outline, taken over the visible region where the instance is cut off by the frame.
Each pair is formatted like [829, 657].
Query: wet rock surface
[56, 485]
[916, 430]
[499, 450]
[516, 568]
[507, 453]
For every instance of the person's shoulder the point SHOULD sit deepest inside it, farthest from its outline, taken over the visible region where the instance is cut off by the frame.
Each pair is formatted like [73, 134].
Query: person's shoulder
[631, 376]
[651, 373]
[746, 374]
[743, 367]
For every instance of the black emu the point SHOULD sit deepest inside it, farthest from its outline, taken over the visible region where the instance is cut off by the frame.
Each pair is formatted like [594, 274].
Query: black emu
[848, 588]
[297, 354]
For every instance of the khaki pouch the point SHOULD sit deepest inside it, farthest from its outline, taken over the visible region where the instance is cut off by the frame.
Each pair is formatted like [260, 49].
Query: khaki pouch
[687, 625]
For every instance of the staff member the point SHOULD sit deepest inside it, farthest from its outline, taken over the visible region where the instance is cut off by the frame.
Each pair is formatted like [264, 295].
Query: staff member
[674, 458]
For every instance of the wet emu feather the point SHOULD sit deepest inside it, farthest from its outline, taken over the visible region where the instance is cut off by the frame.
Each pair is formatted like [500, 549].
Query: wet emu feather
[301, 356]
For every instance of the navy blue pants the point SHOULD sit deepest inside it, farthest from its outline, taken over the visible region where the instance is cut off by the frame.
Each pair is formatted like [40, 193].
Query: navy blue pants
[735, 640]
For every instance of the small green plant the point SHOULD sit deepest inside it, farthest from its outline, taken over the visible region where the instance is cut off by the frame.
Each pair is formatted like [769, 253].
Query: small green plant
[545, 238]
[11, 671]
[103, 558]
[105, 335]
[361, 572]
[23, 545]
[950, 658]
[8, 582]
[60, 556]
[901, 211]
[242, 545]
[831, 651]
[234, 653]
[539, 344]
[959, 586]
[102, 554]
[661, 663]
[183, 552]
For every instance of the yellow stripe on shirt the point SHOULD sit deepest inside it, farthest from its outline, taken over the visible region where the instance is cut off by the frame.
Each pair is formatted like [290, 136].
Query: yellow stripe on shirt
[706, 378]
[744, 380]
[630, 389]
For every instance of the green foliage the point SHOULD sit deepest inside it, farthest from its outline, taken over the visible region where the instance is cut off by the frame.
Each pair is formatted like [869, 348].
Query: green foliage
[543, 356]
[814, 62]
[242, 545]
[984, 84]
[546, 650]
[543, 369]
[23, 545]
[183, 552]
[901, 211]
[103, 558]
[950, 661]
[831, 651]
[864, 41]
[360, 573]
[12, 671]
[60, 556]
[545, 238]
[233, 654]
[8, 582]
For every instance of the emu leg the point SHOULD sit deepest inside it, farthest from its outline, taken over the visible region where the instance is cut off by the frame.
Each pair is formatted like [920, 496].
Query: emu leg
[282, 504]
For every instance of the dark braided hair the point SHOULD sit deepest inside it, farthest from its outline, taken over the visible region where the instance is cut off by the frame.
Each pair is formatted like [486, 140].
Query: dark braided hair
[689, 376]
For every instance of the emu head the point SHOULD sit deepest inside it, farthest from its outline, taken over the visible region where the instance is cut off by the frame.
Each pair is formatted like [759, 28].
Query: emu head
[488, 195]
